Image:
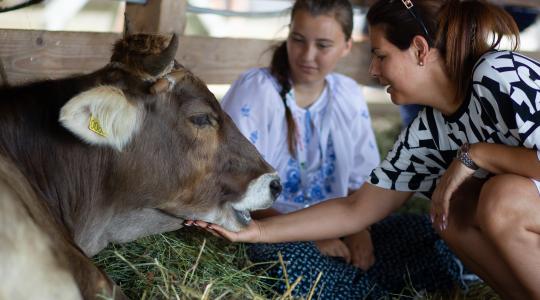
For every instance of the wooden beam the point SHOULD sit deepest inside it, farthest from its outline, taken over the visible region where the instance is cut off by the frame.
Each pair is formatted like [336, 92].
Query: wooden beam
[30, 55]
[363, 3]
[163, 16]
[528, 3]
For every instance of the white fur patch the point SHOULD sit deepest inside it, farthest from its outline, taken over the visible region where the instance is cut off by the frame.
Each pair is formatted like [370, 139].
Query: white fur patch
[118, 118]
[258, 195]
[28, 266]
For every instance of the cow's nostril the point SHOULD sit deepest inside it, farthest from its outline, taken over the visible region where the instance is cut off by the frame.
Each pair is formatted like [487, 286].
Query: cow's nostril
[275, 188]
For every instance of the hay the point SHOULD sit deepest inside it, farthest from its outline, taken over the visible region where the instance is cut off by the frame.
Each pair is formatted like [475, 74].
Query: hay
[182, 265]
[190, 264]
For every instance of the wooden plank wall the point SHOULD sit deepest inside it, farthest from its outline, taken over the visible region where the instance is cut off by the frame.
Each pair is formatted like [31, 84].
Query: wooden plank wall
[27, 55]
[158, 16]
[30, 55]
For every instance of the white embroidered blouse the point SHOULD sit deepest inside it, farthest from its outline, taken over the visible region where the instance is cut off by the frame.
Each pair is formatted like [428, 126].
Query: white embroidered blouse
[335, 141]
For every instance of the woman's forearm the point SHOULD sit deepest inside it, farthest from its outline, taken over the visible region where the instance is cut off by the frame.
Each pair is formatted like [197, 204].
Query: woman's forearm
[333, 218]
[265, 213]
[503, 159]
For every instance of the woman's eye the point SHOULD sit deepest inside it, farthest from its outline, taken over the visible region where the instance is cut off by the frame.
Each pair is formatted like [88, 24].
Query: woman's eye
[201, 120]
[378, 56]
[296, 38]
[324, 46]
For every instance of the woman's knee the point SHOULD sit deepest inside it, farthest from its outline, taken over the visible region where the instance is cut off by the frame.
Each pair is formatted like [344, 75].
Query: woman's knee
[502, 204]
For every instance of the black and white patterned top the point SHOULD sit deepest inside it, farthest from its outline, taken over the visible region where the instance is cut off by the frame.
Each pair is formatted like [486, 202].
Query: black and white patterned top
[503, 107]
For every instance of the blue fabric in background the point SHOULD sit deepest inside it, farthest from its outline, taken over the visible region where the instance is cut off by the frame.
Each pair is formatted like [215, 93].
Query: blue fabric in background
[408, 113]
[524, 16]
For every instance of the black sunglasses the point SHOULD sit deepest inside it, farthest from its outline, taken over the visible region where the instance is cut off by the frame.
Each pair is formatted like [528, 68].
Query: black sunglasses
[410, 7]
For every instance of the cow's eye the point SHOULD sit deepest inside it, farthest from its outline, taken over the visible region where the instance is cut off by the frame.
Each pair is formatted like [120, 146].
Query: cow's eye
[201, 120]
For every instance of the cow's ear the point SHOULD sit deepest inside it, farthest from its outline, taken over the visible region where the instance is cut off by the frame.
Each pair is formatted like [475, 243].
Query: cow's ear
[102, 116]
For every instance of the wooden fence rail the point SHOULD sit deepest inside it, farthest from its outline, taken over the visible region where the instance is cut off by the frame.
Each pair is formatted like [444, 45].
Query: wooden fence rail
[28, 55]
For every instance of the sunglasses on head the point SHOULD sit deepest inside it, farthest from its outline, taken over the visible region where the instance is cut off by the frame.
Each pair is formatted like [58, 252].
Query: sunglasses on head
[410, 8]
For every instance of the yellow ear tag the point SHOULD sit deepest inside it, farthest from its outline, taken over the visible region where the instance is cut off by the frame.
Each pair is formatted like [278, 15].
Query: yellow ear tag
[95, 126]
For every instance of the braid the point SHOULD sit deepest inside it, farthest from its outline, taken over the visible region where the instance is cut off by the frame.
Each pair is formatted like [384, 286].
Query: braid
[279, 68]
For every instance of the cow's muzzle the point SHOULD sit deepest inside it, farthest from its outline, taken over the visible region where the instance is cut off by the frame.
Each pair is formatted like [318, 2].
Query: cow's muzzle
[243, 216]
[275, 188]
[260, 194]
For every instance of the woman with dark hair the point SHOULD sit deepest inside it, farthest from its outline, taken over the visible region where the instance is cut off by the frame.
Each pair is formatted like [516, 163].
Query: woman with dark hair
[313, 126]
[473, 150]
[524, 17]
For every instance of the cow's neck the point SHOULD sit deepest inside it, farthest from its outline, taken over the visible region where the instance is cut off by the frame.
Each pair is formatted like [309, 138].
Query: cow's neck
[72, 185]
[66, 174]
[128, 225]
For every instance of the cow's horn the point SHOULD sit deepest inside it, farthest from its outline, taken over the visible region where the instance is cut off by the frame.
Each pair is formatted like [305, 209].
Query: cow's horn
[155, 64]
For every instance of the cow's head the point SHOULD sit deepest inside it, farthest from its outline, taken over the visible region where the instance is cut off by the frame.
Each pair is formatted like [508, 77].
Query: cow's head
[176, 153]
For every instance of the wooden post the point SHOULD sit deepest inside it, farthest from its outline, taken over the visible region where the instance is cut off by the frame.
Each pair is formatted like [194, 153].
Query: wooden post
[3, 75]
[158, 16]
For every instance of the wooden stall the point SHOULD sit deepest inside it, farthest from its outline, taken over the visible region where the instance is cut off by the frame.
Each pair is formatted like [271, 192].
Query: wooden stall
[36, 54]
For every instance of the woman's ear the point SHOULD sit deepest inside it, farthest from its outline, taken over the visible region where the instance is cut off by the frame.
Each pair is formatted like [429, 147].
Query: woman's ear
[420, 46]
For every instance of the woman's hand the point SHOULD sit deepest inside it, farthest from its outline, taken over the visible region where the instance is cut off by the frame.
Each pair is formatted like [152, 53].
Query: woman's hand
[361, 249]
[454, 176]
[334, 248]
[250, 234]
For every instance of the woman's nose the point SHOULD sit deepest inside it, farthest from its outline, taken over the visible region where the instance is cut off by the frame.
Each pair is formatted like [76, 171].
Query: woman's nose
[309, 53]
[373, 69]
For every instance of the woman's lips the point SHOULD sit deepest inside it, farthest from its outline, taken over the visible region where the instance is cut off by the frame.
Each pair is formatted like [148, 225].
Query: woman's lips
[308, 69]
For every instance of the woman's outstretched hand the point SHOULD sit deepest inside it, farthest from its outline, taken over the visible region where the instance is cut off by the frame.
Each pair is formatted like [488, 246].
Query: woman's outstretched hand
[250, 234]
[454, 176]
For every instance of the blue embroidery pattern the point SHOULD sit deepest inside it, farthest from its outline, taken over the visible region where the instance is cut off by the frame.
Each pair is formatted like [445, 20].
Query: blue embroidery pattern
[245, 110]
[254, 136]
[292, 183]
[320, 182]
[365, 114]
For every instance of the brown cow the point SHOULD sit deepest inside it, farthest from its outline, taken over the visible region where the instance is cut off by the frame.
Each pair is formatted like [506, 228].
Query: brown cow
[127, 151]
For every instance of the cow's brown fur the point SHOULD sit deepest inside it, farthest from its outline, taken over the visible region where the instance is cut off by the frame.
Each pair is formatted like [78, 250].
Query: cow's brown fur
[187, 159]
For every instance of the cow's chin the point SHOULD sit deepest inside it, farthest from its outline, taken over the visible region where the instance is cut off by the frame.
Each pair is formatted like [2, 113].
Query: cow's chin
[242, 216]
[226, 217]
[235, 215]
